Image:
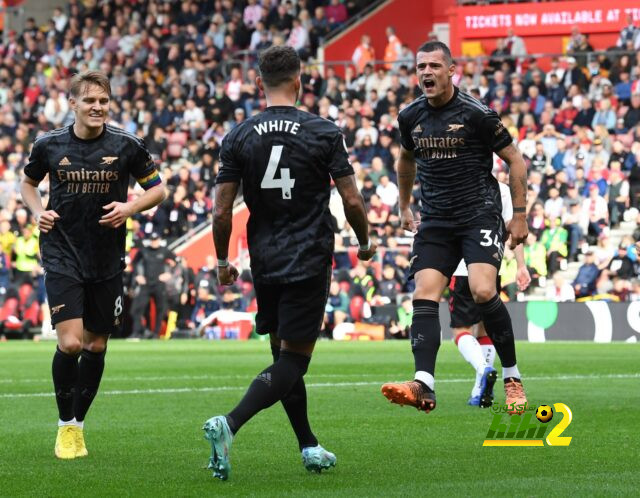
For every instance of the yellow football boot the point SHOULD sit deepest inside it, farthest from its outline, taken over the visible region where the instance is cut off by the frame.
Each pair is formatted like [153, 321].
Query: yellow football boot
[81, 449]
[66, 442]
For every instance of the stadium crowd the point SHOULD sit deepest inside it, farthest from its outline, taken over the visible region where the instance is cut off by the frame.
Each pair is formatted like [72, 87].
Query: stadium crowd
[182, 76]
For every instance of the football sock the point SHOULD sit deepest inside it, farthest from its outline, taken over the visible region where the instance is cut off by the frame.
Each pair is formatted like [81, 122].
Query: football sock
[64, 370]
[471, 351]
[62, 423]
[426, 379]
[295, 404]
[497, 322]
[269, 387]
[511, 372]
[425, 336]
[90, 371]
[488, 350]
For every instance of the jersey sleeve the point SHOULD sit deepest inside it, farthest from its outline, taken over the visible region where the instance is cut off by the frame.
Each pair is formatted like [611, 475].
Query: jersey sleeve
[492, 131]
[405, 133]
[230, 167]
[37, 168]
[143, 168]
[339, 164]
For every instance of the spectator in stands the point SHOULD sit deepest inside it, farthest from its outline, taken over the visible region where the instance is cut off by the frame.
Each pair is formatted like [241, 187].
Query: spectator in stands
[26, 254]
[554, 239]
[584, 284]
[206, 303]
[393, 48]
[595, 212]
[363, 54]
[337, 309]
[515, 44]
[400, 328]
[604, 116]
[621, 265]
[561, 291]
[634, 183]
[535, 257]
[618, 194]
[632, 116]
[574, 75]
[377, 213]
[387, 191]
[628, 34]
[336, 13]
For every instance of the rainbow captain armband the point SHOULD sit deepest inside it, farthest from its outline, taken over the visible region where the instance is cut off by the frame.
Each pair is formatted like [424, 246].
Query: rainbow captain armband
[150, 181]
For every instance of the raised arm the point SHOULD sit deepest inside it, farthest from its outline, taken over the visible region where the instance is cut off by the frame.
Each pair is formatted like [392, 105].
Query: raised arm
[518, 187]
[356, 214]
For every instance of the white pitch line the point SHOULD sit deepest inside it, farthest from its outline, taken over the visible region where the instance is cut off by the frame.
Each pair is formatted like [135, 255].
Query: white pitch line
[178, 377]
[178, 390]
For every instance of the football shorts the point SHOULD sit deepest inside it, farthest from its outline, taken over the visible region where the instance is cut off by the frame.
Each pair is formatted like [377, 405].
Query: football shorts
[99, 304]
[293, 310]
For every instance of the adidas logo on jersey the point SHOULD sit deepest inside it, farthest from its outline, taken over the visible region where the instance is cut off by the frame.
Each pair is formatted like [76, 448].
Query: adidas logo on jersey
[417, 129]
[64, 162]
[455, 127]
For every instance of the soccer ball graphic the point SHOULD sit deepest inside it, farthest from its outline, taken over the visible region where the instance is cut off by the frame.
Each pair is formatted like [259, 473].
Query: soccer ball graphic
[544, 413]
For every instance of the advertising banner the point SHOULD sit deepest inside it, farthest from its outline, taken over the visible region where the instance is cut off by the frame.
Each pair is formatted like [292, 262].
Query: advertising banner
[547, 18]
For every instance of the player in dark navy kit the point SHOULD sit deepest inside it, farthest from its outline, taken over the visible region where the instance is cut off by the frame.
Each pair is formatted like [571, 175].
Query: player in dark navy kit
[452, 137]
[89, 164]
[285, 159]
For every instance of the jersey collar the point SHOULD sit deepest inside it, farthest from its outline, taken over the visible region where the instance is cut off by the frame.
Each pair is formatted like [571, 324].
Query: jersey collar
[90, 140]
[442, 107]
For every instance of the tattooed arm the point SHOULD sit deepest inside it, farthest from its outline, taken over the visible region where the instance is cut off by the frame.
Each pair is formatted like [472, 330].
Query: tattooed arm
[518, 186]
[356, 214]
[406, 167]
[222, 224]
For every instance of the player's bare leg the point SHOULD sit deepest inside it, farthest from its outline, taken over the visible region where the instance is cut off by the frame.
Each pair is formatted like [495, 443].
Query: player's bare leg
[497, 322]
[425, 342]
[65, 376]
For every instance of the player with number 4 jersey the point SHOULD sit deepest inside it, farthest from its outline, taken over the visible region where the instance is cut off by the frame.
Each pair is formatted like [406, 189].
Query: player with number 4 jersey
[89, 164]
[285, 159]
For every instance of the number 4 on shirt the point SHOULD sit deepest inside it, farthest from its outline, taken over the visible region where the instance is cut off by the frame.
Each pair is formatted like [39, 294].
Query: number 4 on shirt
[285, 182]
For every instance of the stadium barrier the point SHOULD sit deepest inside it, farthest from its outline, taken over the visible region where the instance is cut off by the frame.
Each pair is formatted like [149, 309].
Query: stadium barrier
[541, 321]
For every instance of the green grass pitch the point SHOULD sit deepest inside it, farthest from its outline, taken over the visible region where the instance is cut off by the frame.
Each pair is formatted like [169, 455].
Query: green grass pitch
[144, 430]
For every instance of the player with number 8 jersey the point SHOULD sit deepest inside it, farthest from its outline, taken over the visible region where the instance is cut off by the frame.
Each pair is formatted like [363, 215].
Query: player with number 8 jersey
[89, 164]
